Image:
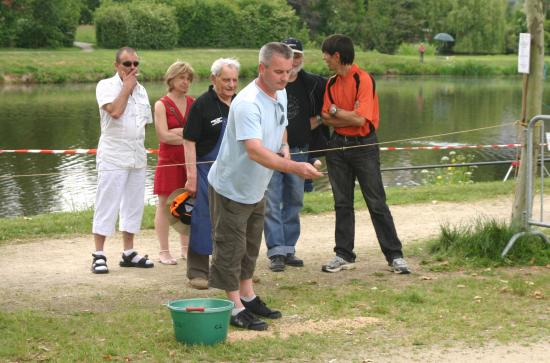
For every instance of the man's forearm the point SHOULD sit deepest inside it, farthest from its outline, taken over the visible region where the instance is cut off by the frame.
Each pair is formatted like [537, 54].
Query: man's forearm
[343, 118]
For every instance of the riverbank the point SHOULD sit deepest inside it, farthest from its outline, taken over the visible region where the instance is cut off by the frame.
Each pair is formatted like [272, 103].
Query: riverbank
[55, 309]
[72, 65]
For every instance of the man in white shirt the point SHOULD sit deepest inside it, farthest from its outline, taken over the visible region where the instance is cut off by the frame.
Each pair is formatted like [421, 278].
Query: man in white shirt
[124, 111]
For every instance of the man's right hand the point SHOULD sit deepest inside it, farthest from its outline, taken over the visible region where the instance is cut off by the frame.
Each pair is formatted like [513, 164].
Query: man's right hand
[129, 79]
[307, 171]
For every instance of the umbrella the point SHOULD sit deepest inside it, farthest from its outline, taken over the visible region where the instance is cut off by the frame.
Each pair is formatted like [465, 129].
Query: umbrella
[444, 37]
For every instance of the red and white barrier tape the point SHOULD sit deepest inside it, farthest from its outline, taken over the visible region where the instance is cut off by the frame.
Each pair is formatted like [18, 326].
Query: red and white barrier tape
[155, 151]
[66, 152]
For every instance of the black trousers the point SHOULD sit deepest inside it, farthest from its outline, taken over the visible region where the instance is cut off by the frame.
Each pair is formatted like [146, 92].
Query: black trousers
[361, 163]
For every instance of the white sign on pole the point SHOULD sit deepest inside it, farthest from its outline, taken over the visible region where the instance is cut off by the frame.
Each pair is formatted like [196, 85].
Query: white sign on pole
[524, 51]
[548, 140]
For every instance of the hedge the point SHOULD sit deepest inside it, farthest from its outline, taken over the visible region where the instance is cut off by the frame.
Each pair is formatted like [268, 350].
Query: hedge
[138, 24]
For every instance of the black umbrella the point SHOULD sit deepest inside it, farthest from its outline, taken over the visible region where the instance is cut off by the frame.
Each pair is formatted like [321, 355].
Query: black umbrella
[444, 37]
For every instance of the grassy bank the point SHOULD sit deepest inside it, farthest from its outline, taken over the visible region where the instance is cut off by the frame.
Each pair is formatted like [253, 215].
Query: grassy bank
[74, 65]
[55, 224]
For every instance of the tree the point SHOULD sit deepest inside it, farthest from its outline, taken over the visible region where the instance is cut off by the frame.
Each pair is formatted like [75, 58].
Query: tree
[326, 17]
[535, 22]
[478, 26]
[47, 24]
[391, 23]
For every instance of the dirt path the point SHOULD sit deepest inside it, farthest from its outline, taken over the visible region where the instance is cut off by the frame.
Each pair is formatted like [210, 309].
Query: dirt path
[55, 274]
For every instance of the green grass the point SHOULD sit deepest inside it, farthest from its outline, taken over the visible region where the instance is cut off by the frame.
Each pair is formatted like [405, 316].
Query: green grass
[67, 223]
[86, 34]
[500, 307]
[73, 65]
[480, 244]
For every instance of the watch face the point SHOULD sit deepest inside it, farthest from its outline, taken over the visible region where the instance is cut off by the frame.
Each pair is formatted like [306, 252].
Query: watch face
[332, 109]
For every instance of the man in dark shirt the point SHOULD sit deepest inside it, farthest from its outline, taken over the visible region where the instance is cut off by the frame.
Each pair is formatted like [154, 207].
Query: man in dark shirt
[285, 193]
[202, 138]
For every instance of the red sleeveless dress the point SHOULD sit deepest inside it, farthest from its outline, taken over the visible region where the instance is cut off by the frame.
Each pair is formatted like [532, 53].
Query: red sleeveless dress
[170, 178]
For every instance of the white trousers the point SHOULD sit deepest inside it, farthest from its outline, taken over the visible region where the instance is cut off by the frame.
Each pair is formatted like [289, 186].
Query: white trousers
[119, 192]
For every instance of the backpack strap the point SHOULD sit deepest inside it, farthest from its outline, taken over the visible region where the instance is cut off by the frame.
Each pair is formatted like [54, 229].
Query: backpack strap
[357, 79]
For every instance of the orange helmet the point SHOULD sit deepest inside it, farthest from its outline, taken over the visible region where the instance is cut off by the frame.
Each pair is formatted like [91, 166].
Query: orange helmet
[181, 207]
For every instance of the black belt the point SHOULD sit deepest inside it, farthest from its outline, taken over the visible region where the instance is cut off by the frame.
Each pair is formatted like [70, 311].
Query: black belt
[350, 138]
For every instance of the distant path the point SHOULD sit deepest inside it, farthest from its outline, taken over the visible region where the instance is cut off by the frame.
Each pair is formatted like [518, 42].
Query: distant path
[86, 47]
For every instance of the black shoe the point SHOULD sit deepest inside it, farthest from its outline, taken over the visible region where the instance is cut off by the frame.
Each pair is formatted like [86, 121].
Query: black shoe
[246, 320]
[258, 307]
[294, 261]
[277, 263]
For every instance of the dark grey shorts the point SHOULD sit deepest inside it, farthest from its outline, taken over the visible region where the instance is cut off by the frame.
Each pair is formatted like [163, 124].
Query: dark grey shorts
[237, 236]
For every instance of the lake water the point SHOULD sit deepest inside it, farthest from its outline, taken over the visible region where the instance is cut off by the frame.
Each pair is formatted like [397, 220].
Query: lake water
[66, 117]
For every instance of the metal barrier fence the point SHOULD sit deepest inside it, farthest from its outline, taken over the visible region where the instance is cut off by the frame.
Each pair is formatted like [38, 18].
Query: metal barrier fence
[528, 220]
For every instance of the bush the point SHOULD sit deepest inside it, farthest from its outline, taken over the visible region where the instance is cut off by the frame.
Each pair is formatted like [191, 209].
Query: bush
[207, 23]
[153, 26]
[138, 24]
[244, 24]
[112, 26]
[451, 174]
[264, 21]
[50, 24]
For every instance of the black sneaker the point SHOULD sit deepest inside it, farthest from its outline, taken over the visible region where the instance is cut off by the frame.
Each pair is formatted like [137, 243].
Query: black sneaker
[277, 263]
[246, 320]
[294, 261]
[258, 307]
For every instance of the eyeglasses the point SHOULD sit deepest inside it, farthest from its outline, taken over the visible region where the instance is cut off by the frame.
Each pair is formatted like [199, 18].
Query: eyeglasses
[129, 63]
[282, 109]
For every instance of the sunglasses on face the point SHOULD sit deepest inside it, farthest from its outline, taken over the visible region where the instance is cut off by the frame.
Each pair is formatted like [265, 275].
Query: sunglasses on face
[129, 63]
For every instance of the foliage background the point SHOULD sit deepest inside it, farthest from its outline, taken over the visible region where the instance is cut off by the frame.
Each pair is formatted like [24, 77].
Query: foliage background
[478, 26]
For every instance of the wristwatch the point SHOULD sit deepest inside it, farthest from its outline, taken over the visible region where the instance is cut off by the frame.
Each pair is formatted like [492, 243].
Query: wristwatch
[332, 110]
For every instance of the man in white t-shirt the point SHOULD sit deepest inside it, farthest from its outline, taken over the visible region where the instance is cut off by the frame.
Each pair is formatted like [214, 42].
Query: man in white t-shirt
[255, 134]
[124, 111]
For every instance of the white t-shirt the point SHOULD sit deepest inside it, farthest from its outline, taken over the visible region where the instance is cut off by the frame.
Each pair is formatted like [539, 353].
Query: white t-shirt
[122, 140]
[252, 115]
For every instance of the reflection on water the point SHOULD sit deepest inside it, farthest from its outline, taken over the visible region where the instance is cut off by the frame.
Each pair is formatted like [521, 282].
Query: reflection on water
[66, 117]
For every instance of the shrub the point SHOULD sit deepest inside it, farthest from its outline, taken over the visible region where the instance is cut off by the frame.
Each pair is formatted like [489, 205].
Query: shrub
[207, 23]
[112, 26]
[450, 174]
[137, 24]
[153, 26]
[266, 21]
[241, 24]
[50, 24]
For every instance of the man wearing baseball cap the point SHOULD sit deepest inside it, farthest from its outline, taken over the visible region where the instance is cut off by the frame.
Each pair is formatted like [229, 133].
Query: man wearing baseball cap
[285, 193]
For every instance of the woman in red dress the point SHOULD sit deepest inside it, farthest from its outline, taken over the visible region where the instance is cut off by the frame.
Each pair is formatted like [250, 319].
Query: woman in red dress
[170, 118]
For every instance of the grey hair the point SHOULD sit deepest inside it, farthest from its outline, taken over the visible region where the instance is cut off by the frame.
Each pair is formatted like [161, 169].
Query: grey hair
[218, 64]
[119, 52]
[267, 51]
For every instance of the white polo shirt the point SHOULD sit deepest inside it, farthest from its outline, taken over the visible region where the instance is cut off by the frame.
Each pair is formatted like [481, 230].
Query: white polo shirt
[122, 140]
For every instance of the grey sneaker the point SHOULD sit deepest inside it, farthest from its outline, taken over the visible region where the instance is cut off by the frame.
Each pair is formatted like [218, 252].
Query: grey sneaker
[337, 264]
[399, 266]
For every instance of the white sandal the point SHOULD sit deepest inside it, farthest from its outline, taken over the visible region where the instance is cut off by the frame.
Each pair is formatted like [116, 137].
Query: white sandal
[169, 261]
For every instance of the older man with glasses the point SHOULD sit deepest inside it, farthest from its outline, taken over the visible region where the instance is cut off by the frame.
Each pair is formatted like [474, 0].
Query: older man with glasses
[124, 111]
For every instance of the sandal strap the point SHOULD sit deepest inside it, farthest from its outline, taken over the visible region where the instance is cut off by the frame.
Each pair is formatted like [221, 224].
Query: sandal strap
[143, 261]
[99, 257]
[130, 257]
